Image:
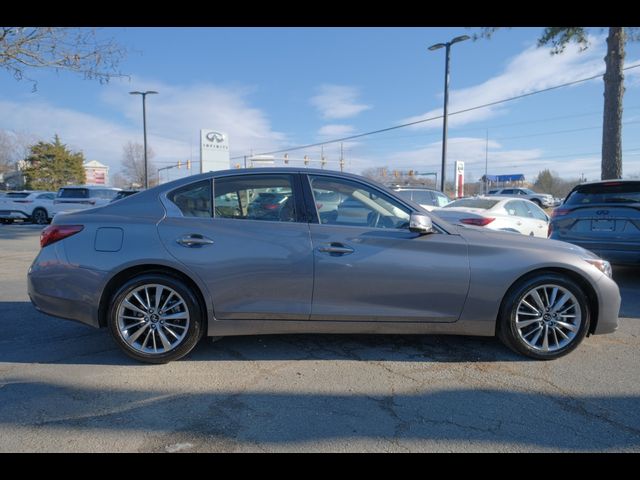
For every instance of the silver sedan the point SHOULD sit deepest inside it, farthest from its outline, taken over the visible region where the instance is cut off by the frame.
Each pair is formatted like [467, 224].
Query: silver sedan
[205, 255]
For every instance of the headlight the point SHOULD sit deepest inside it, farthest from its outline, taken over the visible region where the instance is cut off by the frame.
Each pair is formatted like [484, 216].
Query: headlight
[602, 265]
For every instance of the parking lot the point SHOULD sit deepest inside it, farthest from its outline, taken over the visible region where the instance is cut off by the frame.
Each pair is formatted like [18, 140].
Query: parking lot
[66, 387]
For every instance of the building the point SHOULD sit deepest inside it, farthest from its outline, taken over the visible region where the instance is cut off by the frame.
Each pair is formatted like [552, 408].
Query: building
[96, 172]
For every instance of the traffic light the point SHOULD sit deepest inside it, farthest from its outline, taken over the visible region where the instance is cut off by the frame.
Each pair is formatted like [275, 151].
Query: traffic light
[179, 163]
[323, 162]
[189, 164]
[286, 158]
[306, 159]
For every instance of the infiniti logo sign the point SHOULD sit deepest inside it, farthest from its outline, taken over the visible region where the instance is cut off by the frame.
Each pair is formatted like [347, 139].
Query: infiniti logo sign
[215, 137]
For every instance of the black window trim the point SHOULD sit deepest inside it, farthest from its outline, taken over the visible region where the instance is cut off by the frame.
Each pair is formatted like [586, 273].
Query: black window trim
[296, 187]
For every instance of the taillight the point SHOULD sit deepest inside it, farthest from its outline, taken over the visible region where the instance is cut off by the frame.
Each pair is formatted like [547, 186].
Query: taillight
[559, 212]
[53, 233]
[479, 222]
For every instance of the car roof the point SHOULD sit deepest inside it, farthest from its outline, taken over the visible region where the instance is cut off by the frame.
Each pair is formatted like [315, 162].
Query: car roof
[92, 187]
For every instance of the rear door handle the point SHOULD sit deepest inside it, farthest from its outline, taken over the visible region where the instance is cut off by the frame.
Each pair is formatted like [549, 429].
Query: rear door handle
[336, 248]
[194, 240]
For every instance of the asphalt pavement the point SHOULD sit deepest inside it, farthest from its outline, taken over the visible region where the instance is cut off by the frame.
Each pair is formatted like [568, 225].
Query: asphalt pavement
[66, 387]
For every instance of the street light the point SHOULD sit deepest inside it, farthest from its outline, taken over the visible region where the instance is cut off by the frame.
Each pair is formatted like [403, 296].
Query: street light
[437, 46]
[144, 128]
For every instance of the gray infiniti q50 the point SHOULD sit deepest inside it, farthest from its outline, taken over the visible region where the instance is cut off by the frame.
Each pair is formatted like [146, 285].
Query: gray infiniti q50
[209, 254]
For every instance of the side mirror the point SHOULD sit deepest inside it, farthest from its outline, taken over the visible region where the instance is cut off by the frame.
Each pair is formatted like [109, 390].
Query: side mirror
[420, 223]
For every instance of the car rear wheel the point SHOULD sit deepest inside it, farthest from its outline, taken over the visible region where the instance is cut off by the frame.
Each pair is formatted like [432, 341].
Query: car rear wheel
[544, 317]
[155, 318]
[39, 216]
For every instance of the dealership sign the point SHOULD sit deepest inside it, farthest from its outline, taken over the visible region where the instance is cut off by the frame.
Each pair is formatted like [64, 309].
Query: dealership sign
[214, 151]
[459, 179]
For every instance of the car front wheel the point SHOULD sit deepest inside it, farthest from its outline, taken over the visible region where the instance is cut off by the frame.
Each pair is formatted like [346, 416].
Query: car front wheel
[544, 317]
[155, 318]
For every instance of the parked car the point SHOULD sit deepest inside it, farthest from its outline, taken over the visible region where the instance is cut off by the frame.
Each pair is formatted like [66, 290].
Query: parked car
[603, 217]
[160, 273]
[31, 205]
[541, 199]
[81, 197]
[124, 194]
[496, 213]
[427, 198]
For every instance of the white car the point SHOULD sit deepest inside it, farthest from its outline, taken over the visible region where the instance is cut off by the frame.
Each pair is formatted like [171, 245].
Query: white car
[36, 206]
[498, 213]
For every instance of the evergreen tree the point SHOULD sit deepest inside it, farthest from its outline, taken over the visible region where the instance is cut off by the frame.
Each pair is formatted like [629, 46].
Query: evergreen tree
[51, 165]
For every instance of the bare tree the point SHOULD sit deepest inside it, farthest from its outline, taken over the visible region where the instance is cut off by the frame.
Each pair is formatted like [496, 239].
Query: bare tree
[73, 49]
[133, 164]
[14, 147]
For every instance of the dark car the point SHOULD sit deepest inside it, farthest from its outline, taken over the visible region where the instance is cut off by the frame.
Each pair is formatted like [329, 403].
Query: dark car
[603, 217]
[124, 194]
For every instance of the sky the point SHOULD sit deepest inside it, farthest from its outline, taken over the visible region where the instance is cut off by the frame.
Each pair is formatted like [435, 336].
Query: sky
[275, 88]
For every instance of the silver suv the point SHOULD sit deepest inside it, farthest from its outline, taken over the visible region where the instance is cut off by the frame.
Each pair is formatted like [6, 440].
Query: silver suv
[80, 197]
[543, 200]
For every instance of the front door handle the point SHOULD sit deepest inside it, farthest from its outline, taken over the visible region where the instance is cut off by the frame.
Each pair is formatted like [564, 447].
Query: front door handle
[335, 248]
[194, 240]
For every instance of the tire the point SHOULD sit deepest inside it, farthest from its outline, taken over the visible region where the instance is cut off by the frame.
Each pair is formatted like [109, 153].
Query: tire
[547, 327]
[40, 216]
[141, 326]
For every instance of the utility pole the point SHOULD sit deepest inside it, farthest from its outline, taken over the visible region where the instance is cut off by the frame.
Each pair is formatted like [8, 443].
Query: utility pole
[486, 164]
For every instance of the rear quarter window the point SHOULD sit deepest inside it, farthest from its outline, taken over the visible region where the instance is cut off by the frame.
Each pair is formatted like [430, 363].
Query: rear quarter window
[193, 200]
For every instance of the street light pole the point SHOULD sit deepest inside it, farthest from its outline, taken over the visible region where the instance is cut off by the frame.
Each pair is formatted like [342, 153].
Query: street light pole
[447, 47]
[144, 129]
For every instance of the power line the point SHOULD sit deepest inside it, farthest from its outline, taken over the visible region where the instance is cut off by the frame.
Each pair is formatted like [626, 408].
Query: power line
[417, 122]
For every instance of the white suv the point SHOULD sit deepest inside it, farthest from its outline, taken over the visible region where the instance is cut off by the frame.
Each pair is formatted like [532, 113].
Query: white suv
[80, 197]
[36, 206]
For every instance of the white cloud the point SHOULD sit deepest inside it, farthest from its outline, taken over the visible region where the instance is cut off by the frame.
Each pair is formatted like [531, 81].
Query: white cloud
[533, 69]
[174, 119]
[336, 130]
[338, 101]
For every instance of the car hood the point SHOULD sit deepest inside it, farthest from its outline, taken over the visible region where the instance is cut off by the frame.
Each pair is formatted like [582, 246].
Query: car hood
[498, 237]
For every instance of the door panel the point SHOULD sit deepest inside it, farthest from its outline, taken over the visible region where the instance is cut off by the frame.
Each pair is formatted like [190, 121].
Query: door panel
[254, 269]
[255, 256]
[390, 275]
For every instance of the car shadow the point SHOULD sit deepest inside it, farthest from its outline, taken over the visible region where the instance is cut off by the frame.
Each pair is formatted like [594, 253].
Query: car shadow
[33, 337]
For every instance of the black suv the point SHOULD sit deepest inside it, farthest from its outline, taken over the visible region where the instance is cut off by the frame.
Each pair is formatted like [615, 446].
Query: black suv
[603, 217]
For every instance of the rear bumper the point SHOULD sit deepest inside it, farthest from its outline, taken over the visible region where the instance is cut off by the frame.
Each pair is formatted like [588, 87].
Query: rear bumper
[13, 215]
[63, 290]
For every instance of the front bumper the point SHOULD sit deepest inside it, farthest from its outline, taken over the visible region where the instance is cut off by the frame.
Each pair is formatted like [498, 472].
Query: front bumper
[608, 305]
